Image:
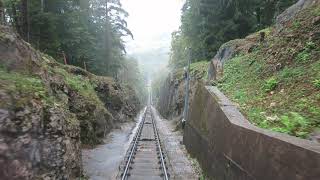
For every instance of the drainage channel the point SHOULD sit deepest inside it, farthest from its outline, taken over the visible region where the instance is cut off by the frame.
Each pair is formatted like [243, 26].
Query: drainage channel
[145, 159]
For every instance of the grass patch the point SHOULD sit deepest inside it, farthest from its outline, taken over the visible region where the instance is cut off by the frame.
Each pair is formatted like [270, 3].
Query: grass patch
[305, 55]
[316, 83]
[80, 84]
[293, 124]
[316, 11]
[292, 108]
[270, 84]
[290, 73]
[25, 85]
[198, 69]
[296, 24]
[267, 31]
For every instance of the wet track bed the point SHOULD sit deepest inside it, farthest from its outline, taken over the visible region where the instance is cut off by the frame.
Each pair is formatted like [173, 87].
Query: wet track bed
[145, 158]
[102, 162]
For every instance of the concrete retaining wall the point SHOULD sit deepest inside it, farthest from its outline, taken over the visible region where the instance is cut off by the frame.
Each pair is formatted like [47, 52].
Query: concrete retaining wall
[228, 147]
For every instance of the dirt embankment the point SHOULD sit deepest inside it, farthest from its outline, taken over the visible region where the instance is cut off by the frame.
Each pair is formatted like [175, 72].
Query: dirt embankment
[48, 110]
[275, 82]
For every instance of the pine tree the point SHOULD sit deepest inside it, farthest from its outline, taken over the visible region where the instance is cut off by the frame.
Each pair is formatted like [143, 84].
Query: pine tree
[207, 24]
[87, 31]
[2, 20]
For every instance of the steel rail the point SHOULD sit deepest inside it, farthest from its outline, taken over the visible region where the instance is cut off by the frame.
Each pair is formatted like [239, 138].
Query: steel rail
[133, 148]
[164, 168]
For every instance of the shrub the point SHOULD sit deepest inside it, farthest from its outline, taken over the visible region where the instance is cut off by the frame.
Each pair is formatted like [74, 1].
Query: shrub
[316, 12]
[293, 124]
[303, 56]
[241, 96]
[296, 24]
[316, 83]
[270, 84]
[288, 73]
[310, 45]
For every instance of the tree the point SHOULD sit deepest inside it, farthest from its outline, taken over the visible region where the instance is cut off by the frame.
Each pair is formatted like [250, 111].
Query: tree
[2, 20]
[83, 30]
[25, 28]
[207, 24]
[131, 75]
[178, 52]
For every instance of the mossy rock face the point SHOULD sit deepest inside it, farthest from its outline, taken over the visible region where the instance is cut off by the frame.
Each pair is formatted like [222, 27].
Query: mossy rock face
[121, 101]
[47, 110]
[172, 92]
[33, 130]
[95, 120]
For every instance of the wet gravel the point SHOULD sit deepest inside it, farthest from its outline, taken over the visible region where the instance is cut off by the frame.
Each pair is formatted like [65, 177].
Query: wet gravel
[102, 162]
[182, 166]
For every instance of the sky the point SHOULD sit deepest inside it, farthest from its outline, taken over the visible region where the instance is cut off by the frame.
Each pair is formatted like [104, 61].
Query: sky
[151, 22]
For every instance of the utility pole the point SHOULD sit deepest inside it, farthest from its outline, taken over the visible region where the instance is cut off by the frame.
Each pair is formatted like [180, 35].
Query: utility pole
[186, 100]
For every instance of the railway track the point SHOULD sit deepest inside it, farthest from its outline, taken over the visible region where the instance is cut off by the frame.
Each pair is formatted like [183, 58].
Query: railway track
[145, 159]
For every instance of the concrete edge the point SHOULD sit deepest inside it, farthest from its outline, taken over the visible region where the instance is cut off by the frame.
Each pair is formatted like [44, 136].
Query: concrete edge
[236, 118]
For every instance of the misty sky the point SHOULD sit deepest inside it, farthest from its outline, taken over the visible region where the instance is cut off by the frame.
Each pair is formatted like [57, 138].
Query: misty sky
[151, 22]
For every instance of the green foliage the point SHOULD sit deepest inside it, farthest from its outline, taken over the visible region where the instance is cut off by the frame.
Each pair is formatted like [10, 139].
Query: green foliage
[179, 52]
[316, 83]
[84, 177]
[24, 84]
[207, 24]
[80, 84]
[202, 177]
[305, 55]
[290, 73]
[270, 84]
[256, 116]
[130, 74]
[85, 31]
[244, 84]
[296, 24]
[293, 124]
[199, 69]
[240, 95]
[316, 11]
[310, 45]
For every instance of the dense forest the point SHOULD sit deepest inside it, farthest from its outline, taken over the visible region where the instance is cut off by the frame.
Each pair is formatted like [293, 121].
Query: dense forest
[207, 24]
[78, 32]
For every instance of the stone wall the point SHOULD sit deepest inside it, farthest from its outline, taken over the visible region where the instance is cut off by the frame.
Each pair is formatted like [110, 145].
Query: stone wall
[229, 147]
